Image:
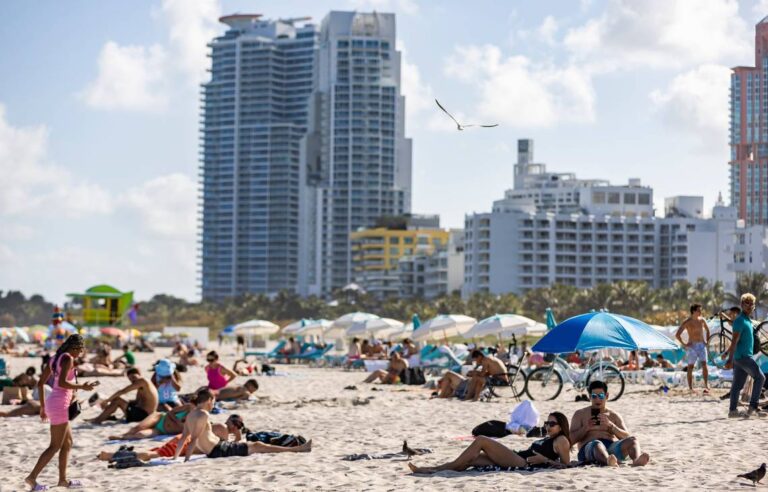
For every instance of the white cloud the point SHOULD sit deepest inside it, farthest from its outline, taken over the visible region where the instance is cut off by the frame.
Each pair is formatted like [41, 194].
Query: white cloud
[547, 30]
[697, 102]
[418, 95]
[192, 25]
[760, 10]
[166, 205]
[31, 185]
[661, 33]
[130, 78]
[515, 91]
[408, 7]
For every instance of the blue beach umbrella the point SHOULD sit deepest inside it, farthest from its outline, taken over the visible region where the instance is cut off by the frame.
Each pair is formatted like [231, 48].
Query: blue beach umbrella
[551, 323]
[416, 321]
[593, 331]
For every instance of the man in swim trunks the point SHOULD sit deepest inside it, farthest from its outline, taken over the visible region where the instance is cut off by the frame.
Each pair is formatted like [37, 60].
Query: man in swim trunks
[486, 367]
[696, 348]
[392, 375]
[198, 428]
[134, 410]
[232, 393]
[601, 434]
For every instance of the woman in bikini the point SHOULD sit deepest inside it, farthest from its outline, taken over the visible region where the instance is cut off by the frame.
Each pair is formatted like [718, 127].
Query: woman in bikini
[158, 424]
[218, 375]
[552, 451]
[56, 409]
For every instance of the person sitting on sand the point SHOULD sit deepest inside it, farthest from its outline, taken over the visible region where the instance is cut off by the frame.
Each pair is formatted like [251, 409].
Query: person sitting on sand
[245, 370]
[128, 359]
[218, 375]
[354, 353]
[471, 387]
[553, 451]
[26, 379]
[409, 348]
[102, 357]
[134, 410]
[392, 375]
[377, 350]
[30, 407]
[198, 428]
[158, 424]
[167, 380]
[601, 434]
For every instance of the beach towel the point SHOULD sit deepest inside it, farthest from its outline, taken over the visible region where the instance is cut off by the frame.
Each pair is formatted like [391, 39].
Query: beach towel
[523, 416]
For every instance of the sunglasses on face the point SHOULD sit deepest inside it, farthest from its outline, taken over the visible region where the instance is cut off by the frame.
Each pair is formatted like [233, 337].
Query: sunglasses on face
[598, 395]
[550, 423]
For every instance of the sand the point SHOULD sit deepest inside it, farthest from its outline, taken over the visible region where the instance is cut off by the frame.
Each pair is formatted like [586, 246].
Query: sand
[691, 443]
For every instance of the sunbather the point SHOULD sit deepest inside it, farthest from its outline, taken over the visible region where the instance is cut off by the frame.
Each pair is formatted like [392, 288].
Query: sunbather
[601, 434]
[26, 379]
[29, 407]
[552, 451]
[392, 375]
[198, 428]
[134, 410]
[158, 424]
[239, 392]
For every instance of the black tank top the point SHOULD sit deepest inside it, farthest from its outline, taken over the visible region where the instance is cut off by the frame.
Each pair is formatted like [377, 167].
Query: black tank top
[545, 447]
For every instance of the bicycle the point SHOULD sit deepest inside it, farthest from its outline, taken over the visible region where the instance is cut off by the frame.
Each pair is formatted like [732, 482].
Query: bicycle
[719, 343]
[546, 382]
[513, 385]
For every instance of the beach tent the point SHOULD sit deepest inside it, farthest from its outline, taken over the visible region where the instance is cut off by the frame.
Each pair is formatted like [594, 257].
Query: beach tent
[443, 326]
[593, 331]
[498, 324]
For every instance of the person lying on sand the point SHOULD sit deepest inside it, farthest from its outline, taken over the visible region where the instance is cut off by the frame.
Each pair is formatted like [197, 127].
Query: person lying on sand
[158, 424]
[229, 393]
[88, 370]
[552, 451]
[392, 375]
[601, 434]
[198, 428]
[134, 410]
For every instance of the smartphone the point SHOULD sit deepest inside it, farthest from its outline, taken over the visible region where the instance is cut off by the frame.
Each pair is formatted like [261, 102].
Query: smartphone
[595, 413]
[96, 383]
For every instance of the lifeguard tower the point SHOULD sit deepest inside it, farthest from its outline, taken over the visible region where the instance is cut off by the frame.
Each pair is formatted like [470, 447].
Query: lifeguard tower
[103, 305]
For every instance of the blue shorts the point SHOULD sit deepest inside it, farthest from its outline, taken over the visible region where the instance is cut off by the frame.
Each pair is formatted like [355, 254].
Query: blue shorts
[696, 353]
[587, 451]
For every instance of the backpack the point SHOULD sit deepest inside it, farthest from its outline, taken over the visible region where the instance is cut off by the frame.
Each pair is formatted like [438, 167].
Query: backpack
[491, 428]
[413, 376]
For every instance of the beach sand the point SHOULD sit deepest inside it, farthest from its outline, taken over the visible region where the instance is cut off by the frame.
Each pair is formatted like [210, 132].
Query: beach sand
[692, 444]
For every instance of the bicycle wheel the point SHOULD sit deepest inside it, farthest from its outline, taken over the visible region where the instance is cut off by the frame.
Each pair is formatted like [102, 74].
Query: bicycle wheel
[513, 387]
[611, 376]
[718, 344]
[544, 383]
[761, 331]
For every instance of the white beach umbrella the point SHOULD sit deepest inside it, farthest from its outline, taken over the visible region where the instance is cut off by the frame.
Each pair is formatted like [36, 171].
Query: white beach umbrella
[313, 328]
[255, 327]
[371, 327]
[294, 327]
[393, 334]
[444, 326]
[497, 324]
[340, 325]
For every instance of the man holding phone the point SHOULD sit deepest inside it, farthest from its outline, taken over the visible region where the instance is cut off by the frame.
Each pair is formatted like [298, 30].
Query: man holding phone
[601, 434]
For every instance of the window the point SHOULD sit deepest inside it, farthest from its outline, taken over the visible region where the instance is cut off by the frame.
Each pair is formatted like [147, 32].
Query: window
[644, 199]
[614, 197]
[630, 198]
[598, 197]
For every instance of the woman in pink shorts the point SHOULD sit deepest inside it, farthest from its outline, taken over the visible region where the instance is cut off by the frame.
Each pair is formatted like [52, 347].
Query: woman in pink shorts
[56, 409]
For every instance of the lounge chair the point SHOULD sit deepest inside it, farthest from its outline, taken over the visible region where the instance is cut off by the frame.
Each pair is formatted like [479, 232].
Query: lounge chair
[314, 354]
[3, 368]
[272, 354]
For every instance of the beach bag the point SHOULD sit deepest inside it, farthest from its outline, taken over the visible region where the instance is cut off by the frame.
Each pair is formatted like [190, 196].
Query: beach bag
[413, 376]
[524, 416]
[491, 428]
[276, 439]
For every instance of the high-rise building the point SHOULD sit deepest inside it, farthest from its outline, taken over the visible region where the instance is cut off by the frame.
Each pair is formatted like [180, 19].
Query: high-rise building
[358, 159]
[254, 115]
[749, 134]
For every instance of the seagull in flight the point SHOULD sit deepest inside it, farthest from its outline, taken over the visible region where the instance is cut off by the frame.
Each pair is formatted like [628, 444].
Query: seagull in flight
[459, 126]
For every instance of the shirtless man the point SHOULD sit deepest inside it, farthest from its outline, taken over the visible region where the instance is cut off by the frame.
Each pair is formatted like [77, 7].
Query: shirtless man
[135, 410]
[601, 434]
[471, 387]
[232, 393]
[696, 348]
[409, 348]
[198, 428]
[396, 366]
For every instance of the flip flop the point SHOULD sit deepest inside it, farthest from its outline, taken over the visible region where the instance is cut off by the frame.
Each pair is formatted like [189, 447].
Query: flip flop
[75, 484]
[39, 487]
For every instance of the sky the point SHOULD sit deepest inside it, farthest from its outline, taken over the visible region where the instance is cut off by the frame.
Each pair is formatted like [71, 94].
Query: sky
[99, 115]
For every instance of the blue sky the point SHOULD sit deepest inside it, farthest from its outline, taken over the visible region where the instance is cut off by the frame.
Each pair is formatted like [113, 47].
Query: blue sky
[99, 115]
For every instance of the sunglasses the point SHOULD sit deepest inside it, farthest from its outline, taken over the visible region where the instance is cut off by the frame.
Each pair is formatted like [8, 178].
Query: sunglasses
[550, 423]
[598, 395]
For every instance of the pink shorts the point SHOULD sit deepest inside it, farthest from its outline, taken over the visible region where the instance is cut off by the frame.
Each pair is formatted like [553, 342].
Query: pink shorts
[57, 407]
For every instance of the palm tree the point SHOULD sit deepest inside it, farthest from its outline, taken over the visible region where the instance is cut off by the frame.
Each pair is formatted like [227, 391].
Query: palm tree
[755, 283]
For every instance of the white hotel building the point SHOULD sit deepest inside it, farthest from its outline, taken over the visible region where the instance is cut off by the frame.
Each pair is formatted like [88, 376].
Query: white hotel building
[553, 228]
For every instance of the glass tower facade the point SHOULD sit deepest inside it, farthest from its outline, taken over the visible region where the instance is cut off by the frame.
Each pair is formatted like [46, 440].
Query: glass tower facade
[254, 115]
[358, 159]
[749, 134]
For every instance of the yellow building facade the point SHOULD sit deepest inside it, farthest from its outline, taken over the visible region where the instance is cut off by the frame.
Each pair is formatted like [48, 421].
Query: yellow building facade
[380, 249]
